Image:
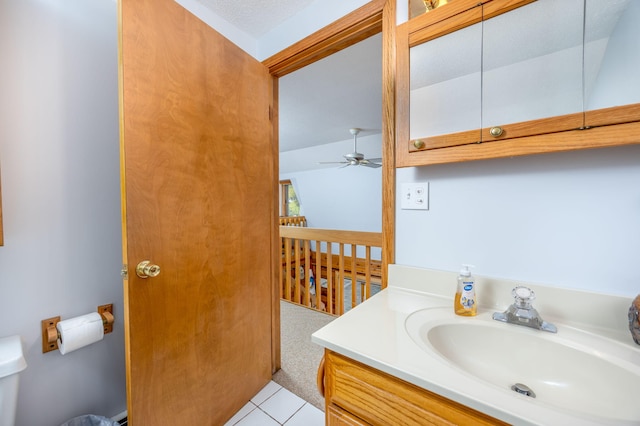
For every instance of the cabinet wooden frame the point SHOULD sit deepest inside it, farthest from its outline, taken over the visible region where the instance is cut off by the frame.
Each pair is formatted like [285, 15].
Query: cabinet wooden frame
[356, 394]
[608, 127]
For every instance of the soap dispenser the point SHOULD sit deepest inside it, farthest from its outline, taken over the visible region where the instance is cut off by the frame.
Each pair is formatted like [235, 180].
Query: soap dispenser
[465, 302]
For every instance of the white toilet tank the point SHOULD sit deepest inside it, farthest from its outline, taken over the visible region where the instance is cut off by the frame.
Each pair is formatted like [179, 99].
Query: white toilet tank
[11, 363]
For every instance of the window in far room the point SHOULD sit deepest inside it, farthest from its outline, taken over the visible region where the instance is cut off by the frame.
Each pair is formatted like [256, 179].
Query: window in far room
[289, 205]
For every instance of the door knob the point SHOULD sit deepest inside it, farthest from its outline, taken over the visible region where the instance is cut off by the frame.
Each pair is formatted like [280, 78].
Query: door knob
[146, 269]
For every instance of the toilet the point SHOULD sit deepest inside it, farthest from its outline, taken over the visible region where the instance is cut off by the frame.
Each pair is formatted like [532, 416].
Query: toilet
[11, 363]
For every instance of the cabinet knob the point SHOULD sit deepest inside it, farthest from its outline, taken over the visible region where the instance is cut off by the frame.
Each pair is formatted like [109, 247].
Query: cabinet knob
[496, 131]
[418, 143]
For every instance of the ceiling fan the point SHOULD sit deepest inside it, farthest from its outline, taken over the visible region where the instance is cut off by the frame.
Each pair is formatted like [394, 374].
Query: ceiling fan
[355, 158]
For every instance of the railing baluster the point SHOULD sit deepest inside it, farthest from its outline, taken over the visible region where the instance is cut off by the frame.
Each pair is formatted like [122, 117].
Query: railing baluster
[340, 292]
[330, 295]
[287, 268]
[296, 292]
[307, 273]
[367, 274]
[354, 277]
[318, 276]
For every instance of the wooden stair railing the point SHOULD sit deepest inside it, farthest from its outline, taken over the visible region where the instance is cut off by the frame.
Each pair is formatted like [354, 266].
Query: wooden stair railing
[293, 221]
[299, 262]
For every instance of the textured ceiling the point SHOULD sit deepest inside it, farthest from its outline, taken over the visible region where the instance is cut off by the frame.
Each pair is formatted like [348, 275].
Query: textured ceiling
[255, 17]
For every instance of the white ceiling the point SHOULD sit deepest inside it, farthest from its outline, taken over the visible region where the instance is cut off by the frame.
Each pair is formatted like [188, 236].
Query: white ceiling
[256, 17]
[321, 102]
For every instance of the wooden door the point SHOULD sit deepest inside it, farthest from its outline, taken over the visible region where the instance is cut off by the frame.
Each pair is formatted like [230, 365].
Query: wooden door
[198, 186]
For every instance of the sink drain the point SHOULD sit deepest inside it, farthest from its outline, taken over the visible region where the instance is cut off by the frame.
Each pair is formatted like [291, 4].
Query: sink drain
[523, 389]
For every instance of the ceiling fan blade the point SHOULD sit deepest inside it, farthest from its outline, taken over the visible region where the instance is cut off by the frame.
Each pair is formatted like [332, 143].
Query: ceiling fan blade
[333, 162]
[375, 160]
[368, 163]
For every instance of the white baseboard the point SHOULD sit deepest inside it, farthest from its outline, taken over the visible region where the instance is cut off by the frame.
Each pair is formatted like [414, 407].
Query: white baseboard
[120, 416]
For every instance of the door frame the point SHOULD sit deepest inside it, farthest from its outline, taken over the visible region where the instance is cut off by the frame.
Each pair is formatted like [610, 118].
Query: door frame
[370, 19]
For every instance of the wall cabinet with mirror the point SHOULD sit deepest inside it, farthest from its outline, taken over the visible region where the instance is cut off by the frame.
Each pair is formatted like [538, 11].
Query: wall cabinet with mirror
[500, 78]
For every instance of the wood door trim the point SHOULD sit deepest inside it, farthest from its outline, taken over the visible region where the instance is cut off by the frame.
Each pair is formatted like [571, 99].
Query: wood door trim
[276, 356]
[373, 17]
[388, 136]
[346, 31]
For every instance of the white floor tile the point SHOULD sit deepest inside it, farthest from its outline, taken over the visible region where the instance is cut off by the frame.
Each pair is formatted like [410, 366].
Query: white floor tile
[244, 411]
[257, 418]
[271, 388]
[282, 405]
[308, 415]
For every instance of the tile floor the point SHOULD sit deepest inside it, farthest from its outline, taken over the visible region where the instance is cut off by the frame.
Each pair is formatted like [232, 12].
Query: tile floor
[275, 406]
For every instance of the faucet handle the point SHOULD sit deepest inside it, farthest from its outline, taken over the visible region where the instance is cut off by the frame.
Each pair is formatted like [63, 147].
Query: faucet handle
[523, 295]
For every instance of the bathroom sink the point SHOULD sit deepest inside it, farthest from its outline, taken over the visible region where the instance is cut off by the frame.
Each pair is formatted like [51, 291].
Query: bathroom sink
[573, 371]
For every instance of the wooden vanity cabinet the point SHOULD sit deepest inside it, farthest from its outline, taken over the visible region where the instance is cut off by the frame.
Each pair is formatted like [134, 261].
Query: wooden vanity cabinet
[356, 394]
[589, 123]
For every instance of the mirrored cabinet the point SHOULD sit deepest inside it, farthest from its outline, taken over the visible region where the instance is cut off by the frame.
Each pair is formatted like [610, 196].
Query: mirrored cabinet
[500, 78]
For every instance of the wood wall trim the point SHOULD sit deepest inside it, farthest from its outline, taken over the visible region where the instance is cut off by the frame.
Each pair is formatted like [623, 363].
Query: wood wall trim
[402, 95]
[346, 31]
[276, 357]
[388, 137]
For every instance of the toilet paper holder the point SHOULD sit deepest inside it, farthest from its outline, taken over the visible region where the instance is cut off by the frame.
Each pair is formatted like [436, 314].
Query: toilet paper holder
[50, 332]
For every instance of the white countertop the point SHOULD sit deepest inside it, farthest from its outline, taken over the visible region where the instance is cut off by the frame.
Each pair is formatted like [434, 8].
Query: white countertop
[374, 334]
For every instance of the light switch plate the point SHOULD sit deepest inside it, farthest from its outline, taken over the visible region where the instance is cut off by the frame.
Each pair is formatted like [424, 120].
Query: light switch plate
[414, 196]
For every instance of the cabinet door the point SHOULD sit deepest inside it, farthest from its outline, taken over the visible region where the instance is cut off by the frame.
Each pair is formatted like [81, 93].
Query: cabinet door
[612, 62]
[364, 395]
[532, 69]
[445, 83]
[338, 417]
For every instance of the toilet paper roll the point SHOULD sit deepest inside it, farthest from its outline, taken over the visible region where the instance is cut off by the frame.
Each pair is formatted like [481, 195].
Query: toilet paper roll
[79, 332]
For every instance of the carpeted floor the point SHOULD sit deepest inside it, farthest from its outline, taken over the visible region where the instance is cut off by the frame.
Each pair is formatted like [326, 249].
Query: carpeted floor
[300, 357]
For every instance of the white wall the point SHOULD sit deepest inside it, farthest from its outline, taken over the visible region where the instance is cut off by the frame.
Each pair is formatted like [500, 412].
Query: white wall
[61, 203]
[616, 84]
[347, 198]
[568, 219]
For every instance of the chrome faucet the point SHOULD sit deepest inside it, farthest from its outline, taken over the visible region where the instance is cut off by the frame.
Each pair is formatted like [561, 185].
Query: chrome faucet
[522, 313]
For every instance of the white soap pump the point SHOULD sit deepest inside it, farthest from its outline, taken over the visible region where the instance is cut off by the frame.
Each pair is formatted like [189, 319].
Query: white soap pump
[465, 302]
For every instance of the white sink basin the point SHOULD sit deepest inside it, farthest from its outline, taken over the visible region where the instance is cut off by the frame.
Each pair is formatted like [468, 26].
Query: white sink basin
[572, 371]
